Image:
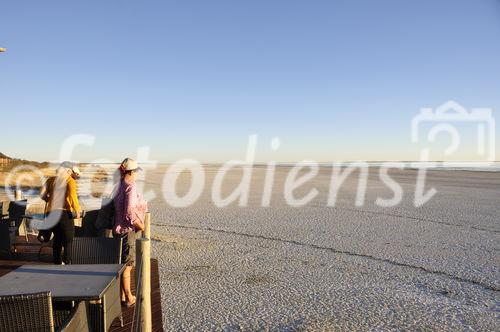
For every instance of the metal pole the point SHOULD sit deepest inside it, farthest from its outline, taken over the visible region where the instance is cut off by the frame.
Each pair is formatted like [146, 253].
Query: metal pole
[143, 273]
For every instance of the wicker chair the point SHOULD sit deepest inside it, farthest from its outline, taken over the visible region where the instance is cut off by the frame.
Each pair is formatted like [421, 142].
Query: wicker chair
[34, 312]
[96, 250]
[99, 250]
[29, 312]
[9, 226]
[16, 211]
[75, 320]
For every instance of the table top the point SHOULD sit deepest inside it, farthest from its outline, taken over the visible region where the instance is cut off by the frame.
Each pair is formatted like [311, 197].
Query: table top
[65, 282]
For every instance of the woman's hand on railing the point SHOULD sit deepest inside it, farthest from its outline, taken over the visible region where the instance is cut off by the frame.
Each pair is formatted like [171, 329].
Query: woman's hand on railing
[138, 224]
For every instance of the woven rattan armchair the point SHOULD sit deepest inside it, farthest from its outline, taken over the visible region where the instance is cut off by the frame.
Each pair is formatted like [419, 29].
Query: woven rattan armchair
[96, 250]
[28, 312]
[34, 312]
[100, 250]
[16, 211]
[10, 225]
[76, 320]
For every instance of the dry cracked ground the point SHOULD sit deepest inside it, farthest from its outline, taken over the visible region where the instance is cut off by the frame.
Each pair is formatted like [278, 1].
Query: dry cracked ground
[342, 268]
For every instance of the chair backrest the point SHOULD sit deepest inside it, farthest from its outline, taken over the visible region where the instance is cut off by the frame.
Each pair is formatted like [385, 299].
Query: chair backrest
[28, 312]
[96, 250]
[17, 209]
[88, 223]
[78, 320]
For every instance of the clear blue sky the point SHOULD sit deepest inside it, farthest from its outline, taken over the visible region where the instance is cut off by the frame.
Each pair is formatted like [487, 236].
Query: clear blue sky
[335, 80]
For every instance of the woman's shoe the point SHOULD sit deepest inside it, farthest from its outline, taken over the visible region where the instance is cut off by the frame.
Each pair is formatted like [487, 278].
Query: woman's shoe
[129, 304]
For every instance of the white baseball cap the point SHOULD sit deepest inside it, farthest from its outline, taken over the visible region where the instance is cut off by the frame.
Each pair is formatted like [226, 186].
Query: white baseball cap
[130, 164]
[76, 170]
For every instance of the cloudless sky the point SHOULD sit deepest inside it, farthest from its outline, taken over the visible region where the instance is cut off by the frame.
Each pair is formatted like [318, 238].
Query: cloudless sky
[334, 80]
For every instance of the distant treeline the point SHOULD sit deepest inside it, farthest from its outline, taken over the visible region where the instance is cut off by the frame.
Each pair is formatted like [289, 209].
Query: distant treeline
[13, 163]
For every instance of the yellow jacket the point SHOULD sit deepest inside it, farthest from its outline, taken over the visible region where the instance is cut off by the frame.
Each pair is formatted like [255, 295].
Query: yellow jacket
[60, 193]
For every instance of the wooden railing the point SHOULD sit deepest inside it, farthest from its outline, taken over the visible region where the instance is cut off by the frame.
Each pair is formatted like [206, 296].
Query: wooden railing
[143, 279]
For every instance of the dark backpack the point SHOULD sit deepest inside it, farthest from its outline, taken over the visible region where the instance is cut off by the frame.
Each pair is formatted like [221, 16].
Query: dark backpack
[106, 216]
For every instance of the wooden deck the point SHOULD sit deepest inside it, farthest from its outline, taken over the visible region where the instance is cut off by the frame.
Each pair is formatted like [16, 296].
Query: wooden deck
[27, 253]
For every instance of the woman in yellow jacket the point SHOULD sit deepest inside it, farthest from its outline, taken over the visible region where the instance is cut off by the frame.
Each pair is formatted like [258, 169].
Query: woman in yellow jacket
[62, 208]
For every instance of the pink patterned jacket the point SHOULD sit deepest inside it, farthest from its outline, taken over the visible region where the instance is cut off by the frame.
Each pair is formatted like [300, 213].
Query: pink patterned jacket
[130, 207]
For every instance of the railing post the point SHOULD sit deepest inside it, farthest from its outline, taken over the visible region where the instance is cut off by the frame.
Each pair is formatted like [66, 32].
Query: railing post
[143, 279]
[147, 226]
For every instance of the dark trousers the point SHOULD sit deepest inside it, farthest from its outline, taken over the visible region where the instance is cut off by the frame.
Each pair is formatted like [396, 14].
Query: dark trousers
[64, 232]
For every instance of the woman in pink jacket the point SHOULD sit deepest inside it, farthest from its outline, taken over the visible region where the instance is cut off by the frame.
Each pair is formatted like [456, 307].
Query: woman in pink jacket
[130, 210]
